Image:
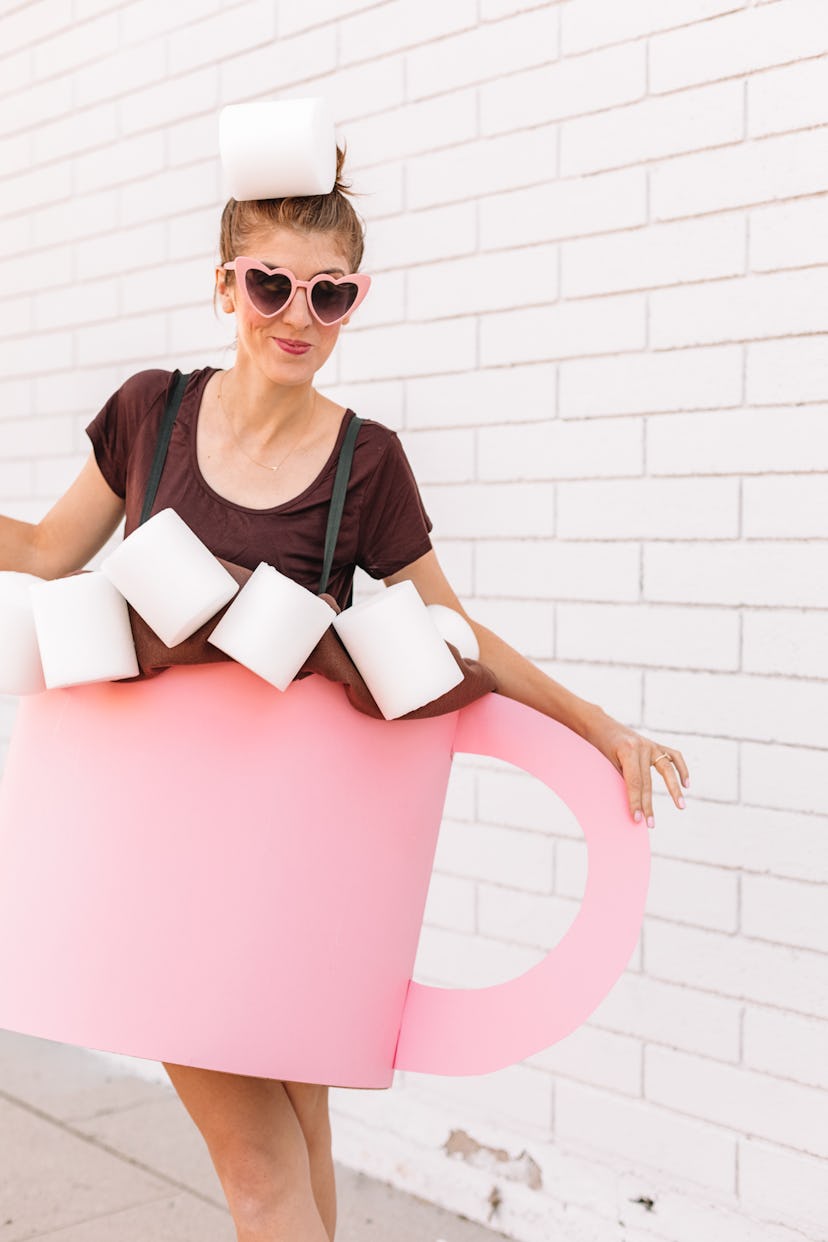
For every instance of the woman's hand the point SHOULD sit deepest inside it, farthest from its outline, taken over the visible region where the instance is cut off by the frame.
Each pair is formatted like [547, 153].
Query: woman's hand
[633, 756]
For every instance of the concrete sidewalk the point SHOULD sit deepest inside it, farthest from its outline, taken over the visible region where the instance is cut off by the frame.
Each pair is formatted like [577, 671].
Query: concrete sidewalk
[90, 1154]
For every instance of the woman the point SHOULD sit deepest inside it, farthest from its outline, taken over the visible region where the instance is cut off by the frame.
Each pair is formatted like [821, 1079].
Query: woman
[250, 451]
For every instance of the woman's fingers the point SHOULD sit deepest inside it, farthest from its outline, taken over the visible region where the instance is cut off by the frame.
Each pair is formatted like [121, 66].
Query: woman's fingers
[665, 768]
[630, 759]
[635, 756]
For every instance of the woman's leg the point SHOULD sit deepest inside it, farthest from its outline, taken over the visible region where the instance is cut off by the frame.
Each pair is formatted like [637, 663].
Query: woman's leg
[310, 1103]
[260, 1151]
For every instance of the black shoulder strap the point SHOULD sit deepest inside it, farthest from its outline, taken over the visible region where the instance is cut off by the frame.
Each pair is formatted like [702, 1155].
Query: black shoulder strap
[340, 487]
[164, 433]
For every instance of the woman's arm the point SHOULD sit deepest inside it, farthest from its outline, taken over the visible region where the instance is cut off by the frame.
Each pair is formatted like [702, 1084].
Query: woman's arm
[520, 679]
[75, 528]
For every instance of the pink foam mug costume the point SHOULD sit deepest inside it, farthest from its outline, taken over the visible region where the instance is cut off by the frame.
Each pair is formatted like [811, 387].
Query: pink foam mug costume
[256, 905]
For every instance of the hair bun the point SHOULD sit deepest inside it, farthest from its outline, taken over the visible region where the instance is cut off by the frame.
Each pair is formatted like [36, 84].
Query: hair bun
[339, 184]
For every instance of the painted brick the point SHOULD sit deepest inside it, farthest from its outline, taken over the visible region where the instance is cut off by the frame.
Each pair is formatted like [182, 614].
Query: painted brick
[740, 1099]
[734, 966]
[87, 217]
[57, 138]
[744, 441]
[739, 175]
[567, 88]
[497, 509]
[488, 395]
[665, 1013]
[400, 24]
[558, 448]
[293, 17]
[654, 634]
[448, 958]
[408, 349]
[148, 199]
[480, 283]
[788, 98]
[739, 43]
[663, 254]
[271, 69]
[784, 912]
[530, 629]
[589, 23]
[679, 891]
[146, 19]
[601, 325]
[440, 456]
[804, 359]
[648, 382]
[653, 128]
[783, 1186]
[758, 306]
[786, 507]
[747, 705]
[75, 46]
[786, 1045]
[599, 1058]
[571, 207]
[501, 855]
[123, 69]
[487, 166]
[450, 903]
[634, 508]
[759, 841]
[411, 128]
[785, 776]
[550, 569]
[789, 234]
[509, 796]
[241, 28]
[420, 237]
[639, 1133]
[731, 572]
[88, 302]
[487, 51]
[35, 21]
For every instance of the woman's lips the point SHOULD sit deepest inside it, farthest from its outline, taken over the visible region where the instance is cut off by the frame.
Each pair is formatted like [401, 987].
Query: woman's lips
[291, 347]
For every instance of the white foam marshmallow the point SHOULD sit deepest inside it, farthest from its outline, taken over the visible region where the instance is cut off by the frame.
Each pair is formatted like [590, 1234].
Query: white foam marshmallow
[455, 629]
[277, 148]
[21, 669]
[393, 641]
[272, 625]
[83, 630]
[169, 576]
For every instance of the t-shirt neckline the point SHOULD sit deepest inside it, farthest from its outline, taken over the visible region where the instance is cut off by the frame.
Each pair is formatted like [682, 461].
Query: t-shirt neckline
[193, 394]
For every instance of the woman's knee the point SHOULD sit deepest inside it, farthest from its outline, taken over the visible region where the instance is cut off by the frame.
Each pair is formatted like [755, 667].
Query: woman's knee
[310, 1103]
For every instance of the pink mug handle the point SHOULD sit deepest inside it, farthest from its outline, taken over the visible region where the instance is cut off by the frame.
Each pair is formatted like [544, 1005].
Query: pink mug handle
[478, 1030]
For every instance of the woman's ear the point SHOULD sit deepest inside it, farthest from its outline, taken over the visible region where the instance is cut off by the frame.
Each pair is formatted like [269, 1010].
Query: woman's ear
[224, 291]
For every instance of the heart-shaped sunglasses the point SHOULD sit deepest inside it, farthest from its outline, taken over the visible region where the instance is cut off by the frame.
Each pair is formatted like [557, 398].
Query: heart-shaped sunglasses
[271, 289]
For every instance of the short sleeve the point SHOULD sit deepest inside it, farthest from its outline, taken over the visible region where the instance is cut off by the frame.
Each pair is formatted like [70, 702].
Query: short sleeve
[107, 431]
[394, 526]
[113, 428]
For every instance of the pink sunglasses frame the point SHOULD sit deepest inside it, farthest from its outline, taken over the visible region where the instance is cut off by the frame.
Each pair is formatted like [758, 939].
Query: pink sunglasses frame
[243, 263]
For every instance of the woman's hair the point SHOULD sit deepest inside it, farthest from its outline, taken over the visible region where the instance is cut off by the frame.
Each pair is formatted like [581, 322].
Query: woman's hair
[325, 213]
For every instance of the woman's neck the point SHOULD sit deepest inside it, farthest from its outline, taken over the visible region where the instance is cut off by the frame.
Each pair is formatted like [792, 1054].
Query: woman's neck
[262, 411]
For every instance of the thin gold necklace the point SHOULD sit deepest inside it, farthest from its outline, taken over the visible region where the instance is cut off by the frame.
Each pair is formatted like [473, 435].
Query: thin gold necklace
[238, 442]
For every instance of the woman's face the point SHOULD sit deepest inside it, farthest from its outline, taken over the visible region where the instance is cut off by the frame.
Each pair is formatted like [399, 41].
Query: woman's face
[305, 255]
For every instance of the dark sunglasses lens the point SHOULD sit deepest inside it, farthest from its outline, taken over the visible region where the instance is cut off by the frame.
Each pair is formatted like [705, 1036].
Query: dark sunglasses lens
[268, 290]
[331, 301]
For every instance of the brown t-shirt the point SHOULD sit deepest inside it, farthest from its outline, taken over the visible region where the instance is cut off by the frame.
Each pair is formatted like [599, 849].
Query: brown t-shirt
[384, 522]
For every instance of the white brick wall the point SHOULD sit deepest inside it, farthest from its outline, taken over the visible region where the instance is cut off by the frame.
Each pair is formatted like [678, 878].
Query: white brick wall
[599, 236]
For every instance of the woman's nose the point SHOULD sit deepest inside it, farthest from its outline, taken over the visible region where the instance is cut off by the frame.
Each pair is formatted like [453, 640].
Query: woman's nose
[298, 311]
